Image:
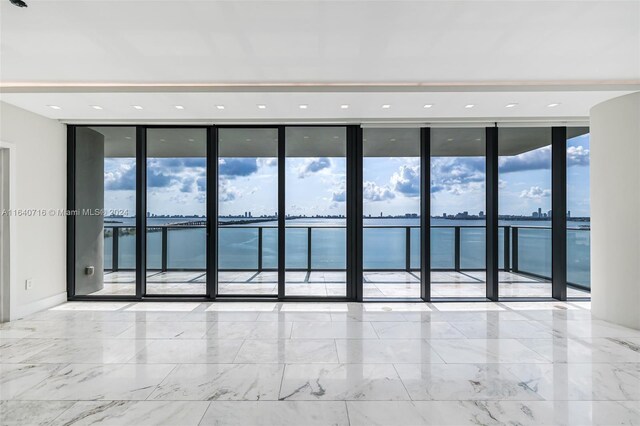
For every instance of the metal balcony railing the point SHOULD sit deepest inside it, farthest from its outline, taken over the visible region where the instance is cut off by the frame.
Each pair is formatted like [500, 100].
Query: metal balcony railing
[522, 249]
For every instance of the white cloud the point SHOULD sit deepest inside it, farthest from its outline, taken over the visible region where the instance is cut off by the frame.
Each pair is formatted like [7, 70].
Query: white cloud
[535, 193]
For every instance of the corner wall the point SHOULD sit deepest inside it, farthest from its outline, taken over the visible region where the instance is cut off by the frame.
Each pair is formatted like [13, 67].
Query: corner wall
[615, 210]
[40, 184]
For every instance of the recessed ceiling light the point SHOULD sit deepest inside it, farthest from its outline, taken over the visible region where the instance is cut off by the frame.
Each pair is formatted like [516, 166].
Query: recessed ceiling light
[553, 105]
[344, 106]
[510, 105]
[128, 137]
[54, 106]
[220, 106]
[478, 139]
[450, 140]
[248, 140]
[96, 107]
[386, 106]
[190, 140]
[162, 140]
[428, 105]
[303, 106]
[262, 107]
[136, 106]
[469, 106]
[392, 140]
[306, 137]
[335, 137]
[179, 107]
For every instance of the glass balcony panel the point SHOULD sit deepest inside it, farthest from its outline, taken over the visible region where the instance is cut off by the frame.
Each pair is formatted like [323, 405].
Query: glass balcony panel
[270, 248]
[442, 248]
[241, 248]
[154, 249]
[472, 248]
[534, 251]
[415, 248]
[579, 257]
[385, 248]
[187, 248]
[108, 249]
[328, 248]
[127, 248]
[296, 248]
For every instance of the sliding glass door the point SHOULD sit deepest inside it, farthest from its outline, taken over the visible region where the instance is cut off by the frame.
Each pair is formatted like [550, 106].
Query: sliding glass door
[316, 212]
[391, 208]
[458, 207]
[176, 211]
[247, 212]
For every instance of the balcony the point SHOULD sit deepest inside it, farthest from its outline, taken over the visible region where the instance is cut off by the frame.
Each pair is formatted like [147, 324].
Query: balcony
[316, 261]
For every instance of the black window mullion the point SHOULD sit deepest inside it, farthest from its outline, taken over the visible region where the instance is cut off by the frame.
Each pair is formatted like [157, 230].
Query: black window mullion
[425, 214]
[354, 213]
[559, 213]
[281, 211]
[141, 211]
[492, 213]
[212, 212]
[71, 206]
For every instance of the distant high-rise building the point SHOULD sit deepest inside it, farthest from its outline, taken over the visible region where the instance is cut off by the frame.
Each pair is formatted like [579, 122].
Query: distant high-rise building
[539, 212]
[534, 214]
[444, 215]
[481, 214]
[569, 214]
[549, 213]
[380, 214]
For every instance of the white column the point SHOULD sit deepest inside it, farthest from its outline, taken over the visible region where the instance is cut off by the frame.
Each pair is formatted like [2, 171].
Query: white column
[615, 210]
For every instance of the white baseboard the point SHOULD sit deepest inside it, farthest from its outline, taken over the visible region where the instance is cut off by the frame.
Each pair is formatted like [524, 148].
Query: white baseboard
[18, 312]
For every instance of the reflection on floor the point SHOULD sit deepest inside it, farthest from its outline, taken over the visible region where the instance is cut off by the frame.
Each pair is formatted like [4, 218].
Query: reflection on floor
[268, 363]
[392, 284]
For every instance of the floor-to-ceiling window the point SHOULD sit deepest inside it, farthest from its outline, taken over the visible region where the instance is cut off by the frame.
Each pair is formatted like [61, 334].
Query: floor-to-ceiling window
[458, 204]
[288, 184]
[176, 211]
[105, 198]
[578, 213]
[391, 208]
[315, 211]
[524, 206]
[248, 211]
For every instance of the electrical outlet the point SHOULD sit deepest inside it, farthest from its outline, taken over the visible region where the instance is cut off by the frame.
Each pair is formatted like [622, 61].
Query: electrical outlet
[28, 284]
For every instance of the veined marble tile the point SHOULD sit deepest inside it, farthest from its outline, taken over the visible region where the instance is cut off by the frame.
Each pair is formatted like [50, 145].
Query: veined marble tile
[342, 382]
[292, 288]
[250, 330]
[20, 413]
[276, 413]
[142, 413]
[104, 351]
[99, 382]
[314, 307]
[383, 351]
[451, 277]
[594, 328]
[174, 277]
[359, 316]
[333, 330]
[463, 382]
[90, 306]
[618, 382]
[469, 306]
[120, 277]
[384, 413]
[395, 307]
[196, 351]
[17, 378]
[242, 307]
[503, 329]
[336, 290]
[282, 351]
[585, 350]
[214, 316]
[294, 316]
[213, 382]
[416, 330]
[163, 306]
[18, 350]
[165, 330]
[471, 351]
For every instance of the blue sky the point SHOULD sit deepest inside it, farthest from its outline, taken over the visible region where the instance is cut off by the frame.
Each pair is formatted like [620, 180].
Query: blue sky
[317, 185]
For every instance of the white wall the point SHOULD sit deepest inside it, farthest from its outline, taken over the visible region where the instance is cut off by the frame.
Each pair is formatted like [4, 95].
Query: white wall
[615, 210]
[40, 183]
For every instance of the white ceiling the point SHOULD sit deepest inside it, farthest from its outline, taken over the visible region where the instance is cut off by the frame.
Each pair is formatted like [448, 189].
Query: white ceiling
[239, 54]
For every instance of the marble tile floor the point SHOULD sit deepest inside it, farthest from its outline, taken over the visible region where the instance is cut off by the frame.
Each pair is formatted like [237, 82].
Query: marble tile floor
[272, 363]
[392, 284]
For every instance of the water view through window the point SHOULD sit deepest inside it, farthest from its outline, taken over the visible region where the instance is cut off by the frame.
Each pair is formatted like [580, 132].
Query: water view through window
[313, 180]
